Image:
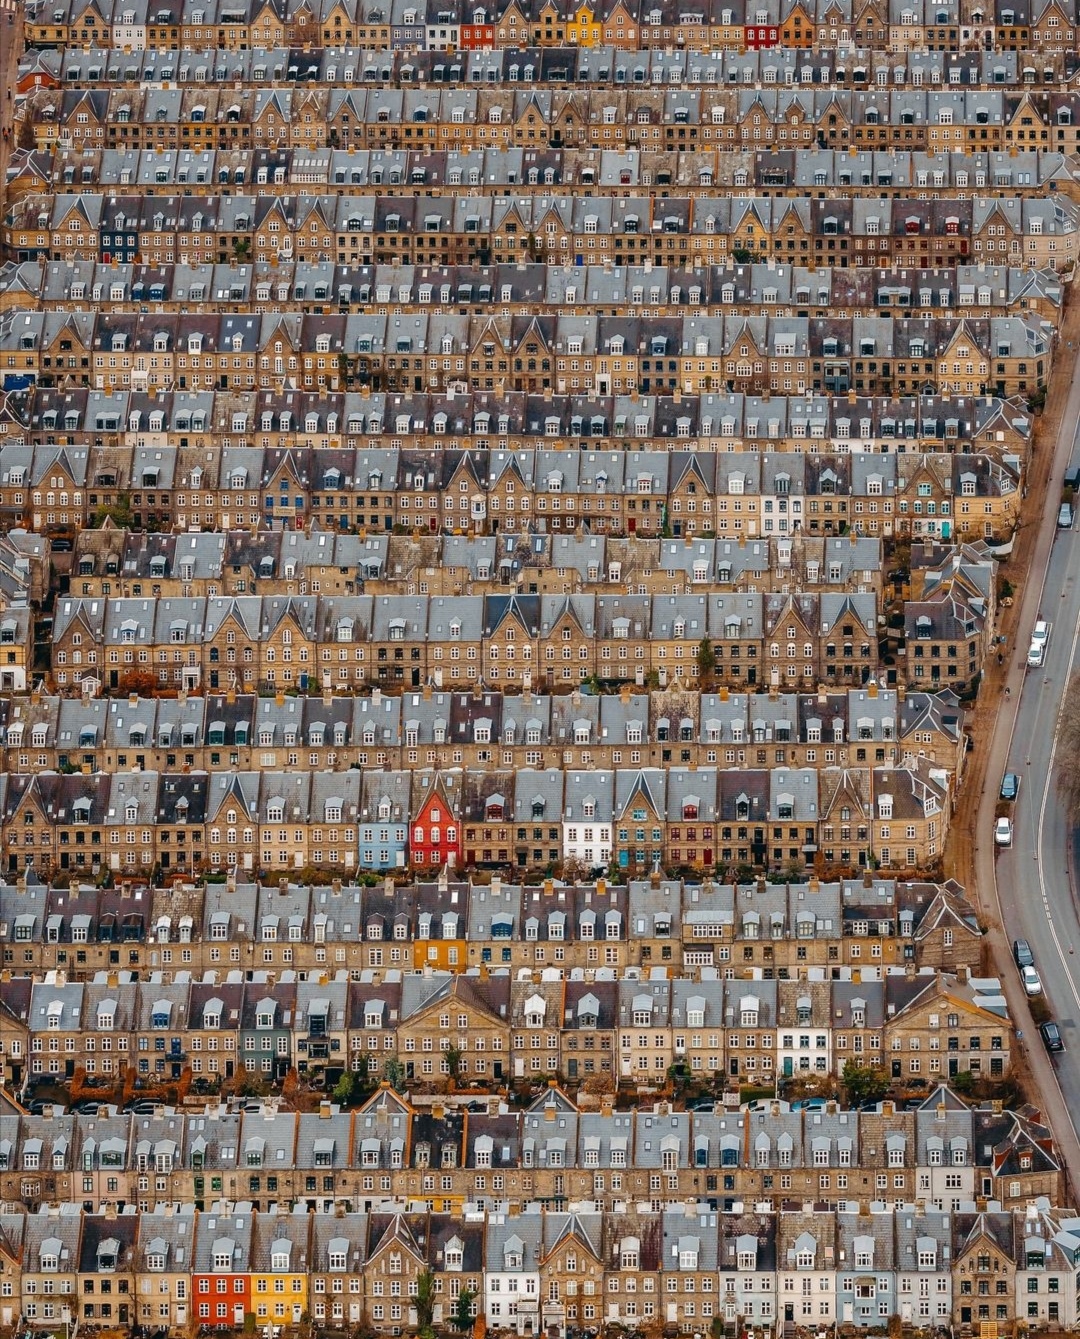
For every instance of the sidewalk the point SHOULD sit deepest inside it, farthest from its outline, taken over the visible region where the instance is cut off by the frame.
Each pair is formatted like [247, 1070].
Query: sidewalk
[11, 46]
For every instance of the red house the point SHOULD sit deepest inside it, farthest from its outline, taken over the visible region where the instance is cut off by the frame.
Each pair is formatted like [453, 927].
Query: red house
[436, 827]
[221, 1268]
[477, 36]
[39, 73]
[761, 36]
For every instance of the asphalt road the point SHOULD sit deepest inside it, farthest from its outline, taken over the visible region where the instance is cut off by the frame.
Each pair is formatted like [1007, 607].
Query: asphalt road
[1032, 888]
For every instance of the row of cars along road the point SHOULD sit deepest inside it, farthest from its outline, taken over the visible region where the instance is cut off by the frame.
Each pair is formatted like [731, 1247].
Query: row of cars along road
[1010, 785]
[1025, 962]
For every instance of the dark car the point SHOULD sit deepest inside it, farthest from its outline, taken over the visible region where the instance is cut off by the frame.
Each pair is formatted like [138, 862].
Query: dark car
[1022, 953]
[1051, 1035]
[1010, 786]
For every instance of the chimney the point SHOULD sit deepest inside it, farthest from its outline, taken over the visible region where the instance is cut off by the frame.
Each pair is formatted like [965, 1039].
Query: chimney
[607, 1104]
[427, 692]
[133, 699]
[871, 689]
[230, 697]
[335, 887]
[601, 887]
[888, 1109]
[549, 887]
[230, 880]
[438, 1111]
[624, 694]
[654, 879]
[496, 885]
[279, 698]
[325, 1110]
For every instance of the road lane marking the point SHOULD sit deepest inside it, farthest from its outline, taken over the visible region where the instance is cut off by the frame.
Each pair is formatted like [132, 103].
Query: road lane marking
[1047, 784]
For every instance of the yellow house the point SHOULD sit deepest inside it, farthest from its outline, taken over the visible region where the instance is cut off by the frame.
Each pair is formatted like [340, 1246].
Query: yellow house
[583, 28]
[439, 938]
[279, 1268]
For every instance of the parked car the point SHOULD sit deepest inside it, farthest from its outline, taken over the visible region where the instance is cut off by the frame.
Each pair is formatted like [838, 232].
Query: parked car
[1030, 978]
[1051, 1035]
[1022, 953]
[1003, 832]
[1010, 786]
[1040, 637]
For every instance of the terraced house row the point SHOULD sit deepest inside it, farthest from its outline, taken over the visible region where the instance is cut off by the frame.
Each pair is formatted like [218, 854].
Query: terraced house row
[919, 1026]
[546, 1268]
[285, 171]
[942, 1151]
[730, 819]
[179, 463]
[749, 930]
[684, 118]
[427, 348]
[532, 288]
[623, 24]
[371, 226]
[476, 728]
[398, 640]
[336, 65]
[111, 562]
[761, 640]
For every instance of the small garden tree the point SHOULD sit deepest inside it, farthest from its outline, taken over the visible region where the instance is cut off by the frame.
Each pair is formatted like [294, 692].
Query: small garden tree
[424, 1300]
[864, 1083]
[463, 1317]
